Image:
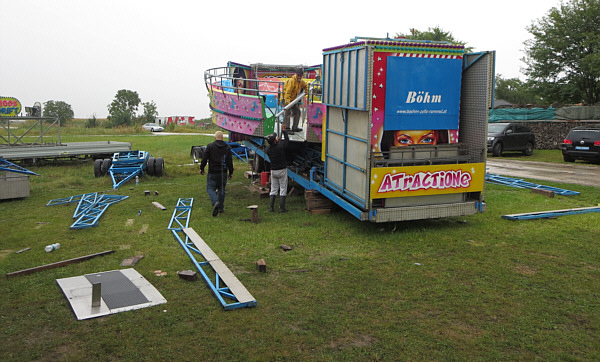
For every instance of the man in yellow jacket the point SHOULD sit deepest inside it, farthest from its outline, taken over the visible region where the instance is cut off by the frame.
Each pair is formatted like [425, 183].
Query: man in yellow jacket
[291, 89]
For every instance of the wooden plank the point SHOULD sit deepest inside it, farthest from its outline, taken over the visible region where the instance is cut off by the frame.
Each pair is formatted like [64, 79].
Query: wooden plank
[57, 264]
[158, 205]
[204, 249]
[237, 288]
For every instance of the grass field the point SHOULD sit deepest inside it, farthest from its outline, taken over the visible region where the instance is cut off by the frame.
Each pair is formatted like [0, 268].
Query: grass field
[473, 288]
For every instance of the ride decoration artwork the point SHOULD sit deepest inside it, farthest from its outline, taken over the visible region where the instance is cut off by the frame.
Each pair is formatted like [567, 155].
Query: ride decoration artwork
[389, 182]
[428, 99]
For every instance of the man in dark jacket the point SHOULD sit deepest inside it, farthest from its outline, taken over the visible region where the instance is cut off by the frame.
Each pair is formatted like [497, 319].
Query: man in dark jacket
[220, 161]
[276, 153]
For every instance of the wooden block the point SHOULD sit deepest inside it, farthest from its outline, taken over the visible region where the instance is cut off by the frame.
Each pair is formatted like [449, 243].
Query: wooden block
[158, 205]
[285, 247]
[262, 265]
[146, 192]
[132, 261]
[547, 193]
[320, 211]
[315, 204]
[188, 275]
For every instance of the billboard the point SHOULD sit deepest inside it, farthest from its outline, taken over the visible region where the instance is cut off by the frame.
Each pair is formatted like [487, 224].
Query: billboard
[9, 107]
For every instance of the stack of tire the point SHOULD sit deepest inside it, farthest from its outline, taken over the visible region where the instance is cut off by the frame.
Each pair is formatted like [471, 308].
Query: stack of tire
[101, 166]
[155, 166]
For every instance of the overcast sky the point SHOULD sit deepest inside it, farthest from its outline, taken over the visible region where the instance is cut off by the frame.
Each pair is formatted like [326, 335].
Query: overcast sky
[83, 51]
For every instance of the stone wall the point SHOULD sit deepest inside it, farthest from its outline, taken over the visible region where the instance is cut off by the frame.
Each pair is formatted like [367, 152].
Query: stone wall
[550, 134]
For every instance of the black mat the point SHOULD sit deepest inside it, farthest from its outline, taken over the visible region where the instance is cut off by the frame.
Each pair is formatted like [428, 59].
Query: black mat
[117, 290]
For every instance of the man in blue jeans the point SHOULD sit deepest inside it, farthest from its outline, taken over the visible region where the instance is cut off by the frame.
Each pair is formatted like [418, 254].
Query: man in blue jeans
[220, 162]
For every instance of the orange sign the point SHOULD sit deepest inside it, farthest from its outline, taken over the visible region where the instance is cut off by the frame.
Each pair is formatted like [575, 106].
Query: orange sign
[9, 107]
[387, 182]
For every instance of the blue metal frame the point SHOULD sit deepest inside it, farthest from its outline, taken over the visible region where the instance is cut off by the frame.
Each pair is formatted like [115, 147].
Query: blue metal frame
[89, 209]
[520, 183]
[179, 221]
[126, 165]
[9, 166]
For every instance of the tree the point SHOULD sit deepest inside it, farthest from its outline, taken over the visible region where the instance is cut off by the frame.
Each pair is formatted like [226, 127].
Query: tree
[122, 110]
[515, 91]
[150, 112]
[59, 110]
[433, 34]
[563, 58]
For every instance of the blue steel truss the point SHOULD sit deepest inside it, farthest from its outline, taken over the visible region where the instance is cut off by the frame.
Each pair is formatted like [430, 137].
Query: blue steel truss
[519, 183]
[90, 207]
[11, 167]
[180, 221]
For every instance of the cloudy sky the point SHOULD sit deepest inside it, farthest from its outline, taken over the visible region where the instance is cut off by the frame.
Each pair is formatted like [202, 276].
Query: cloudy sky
[83, 51]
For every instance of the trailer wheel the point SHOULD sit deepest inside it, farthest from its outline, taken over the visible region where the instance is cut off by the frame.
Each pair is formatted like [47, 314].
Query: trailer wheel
[98, 168]
[106, 163]
[150, 166]
[159, 166]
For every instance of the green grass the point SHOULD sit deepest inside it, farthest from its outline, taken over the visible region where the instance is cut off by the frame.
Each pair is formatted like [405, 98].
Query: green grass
[467, 288]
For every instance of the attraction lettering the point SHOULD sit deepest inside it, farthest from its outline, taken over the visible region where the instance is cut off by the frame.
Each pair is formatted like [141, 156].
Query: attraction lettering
[425, 180]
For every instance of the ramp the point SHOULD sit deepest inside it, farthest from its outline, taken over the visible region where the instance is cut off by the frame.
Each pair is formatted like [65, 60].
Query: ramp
[230, 292]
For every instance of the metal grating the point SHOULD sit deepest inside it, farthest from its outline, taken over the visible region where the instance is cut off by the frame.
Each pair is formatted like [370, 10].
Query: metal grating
[117, 290]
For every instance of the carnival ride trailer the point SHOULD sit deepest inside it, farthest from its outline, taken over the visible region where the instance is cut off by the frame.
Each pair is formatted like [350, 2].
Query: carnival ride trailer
[403, 132]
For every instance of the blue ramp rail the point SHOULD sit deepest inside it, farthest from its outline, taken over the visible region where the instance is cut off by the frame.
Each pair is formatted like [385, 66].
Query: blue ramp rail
[224, 284]
[551, 214]
[520, 183]
[9, 166]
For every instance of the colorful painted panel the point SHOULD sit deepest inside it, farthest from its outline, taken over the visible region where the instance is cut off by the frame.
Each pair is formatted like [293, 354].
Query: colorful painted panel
[237, 104]
[237, 124]
[315, 115]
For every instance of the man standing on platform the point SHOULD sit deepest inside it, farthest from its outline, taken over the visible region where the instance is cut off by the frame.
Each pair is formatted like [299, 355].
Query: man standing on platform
[291, 90]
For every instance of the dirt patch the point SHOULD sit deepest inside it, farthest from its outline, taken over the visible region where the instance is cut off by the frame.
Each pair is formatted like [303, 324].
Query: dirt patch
[525, 270]
[352, 341]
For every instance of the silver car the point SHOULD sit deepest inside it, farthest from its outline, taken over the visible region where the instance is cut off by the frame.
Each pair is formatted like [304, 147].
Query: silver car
[153, 127]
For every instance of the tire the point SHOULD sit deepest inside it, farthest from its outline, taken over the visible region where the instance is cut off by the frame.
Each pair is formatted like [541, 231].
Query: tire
[98, 168]
[106, 163]
[199, 152]
[151, 129]
[150, 166]
[568, 159]
[159, 166]
[528, 149]
[497, 150]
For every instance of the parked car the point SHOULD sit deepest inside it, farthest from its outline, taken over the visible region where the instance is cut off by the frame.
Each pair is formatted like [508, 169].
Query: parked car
[582, 143]
[509, 137]
[153, 127]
